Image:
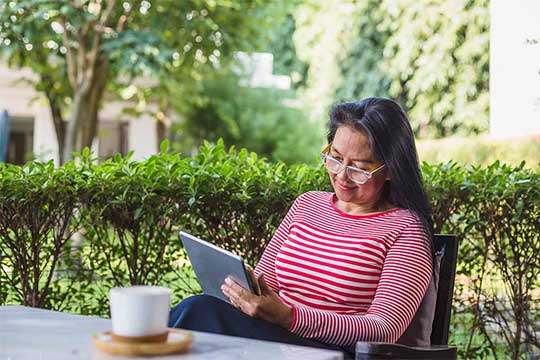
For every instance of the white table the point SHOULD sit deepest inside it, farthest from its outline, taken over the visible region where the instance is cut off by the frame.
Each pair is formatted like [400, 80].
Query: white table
[37, 334]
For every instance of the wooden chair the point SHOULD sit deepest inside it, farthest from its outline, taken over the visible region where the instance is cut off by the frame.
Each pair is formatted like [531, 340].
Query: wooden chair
[446, 256]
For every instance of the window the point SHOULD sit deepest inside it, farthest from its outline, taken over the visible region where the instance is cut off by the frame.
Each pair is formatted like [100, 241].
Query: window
[112, 137]
[21, 140]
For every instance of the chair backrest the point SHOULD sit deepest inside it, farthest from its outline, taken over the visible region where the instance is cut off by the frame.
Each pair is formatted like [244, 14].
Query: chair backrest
[431, 321]
[448, 245]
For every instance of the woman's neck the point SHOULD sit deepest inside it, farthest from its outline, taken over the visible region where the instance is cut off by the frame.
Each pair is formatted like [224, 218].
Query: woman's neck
[363, 209]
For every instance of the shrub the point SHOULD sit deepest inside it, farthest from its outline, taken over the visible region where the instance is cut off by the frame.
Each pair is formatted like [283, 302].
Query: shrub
[238, 200]
[503, 216]
[37, 219]
[496, 212]
[69, 234]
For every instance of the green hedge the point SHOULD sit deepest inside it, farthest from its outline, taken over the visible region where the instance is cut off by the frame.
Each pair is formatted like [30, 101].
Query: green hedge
[67, 235]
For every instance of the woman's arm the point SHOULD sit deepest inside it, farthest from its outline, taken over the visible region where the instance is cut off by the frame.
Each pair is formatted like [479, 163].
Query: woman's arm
[267, 305]
[404, 279]
[267, 263]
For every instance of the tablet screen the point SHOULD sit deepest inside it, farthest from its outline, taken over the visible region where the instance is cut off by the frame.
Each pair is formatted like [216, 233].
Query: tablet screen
[213, 264]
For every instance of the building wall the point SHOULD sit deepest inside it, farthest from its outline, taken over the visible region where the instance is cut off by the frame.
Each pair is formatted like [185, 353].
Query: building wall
[21, 101]
[515, 68]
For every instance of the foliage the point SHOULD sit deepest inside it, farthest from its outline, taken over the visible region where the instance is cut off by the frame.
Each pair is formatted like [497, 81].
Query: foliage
[322, 32]
[481, 150]
[37, 219]
[79, 49]
[502, 195]
[129, 213]
[495, 209]
[131, 210]
[361, 64]
[431, 56]
[438, 59]
[254, 118]
[281, 45]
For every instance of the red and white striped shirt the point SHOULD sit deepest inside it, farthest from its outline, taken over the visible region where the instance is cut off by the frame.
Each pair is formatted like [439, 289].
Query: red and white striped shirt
[348, 277]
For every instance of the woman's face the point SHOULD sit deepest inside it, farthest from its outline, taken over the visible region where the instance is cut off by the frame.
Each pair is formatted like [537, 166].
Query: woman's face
[351, 147]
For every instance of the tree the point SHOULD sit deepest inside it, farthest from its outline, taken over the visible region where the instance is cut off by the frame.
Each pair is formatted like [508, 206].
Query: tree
[79, 49]
[322, 33]
[438, 59]
[361, 63]
[281, 45]
[252, 118]
[432, 56]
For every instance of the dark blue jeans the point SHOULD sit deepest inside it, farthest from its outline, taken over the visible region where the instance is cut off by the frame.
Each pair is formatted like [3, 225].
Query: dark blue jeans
[209, 314]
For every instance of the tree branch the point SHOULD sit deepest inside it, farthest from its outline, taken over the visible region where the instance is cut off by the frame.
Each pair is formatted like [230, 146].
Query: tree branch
[125, 16]
[81, 59]
[107, 13]
[93, 54]
[70, 58]
[92, 59]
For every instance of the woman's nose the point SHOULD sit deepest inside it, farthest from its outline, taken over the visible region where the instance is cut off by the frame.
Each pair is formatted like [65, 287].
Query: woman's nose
[342, 175]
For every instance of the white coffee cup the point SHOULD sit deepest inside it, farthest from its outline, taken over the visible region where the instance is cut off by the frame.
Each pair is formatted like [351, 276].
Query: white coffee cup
[140, 311]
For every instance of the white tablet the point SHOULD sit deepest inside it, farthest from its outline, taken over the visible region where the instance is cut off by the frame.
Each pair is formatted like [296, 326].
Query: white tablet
[213, 264]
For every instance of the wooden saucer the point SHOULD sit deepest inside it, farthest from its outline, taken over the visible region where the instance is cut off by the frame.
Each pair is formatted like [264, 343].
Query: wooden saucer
[159, 338]
[178, 341]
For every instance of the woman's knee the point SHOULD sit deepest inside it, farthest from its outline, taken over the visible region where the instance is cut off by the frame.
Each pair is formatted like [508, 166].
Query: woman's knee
[197, 302]
[192, 308]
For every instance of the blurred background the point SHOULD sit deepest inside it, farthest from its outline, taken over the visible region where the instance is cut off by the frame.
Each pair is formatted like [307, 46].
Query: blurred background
[122, 76]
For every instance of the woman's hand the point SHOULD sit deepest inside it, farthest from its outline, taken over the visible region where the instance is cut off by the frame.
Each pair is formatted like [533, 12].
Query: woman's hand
[267, 306]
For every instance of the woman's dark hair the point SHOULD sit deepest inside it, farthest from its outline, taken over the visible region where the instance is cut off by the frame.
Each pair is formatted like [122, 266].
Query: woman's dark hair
[391, 140]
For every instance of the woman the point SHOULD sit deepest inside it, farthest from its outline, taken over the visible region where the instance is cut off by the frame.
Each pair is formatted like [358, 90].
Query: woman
[345, 266]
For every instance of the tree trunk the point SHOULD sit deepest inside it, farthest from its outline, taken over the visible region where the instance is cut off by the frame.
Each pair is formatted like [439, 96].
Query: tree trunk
[73, 135]
[91, 125]
[163, 131]
[55, 105]
[59, 126]
[83, 119]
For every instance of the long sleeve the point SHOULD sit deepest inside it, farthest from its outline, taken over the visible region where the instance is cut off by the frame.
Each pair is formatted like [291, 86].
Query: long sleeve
[403, 281]
[266, 264]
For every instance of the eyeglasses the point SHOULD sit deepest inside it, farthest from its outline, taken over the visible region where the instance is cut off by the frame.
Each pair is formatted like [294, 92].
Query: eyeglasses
[356, 175]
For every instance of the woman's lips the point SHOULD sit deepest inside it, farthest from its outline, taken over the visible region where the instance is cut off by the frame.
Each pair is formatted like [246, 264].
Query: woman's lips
[345, 187]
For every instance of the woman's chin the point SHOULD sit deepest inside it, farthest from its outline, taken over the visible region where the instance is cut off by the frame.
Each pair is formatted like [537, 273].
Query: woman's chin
[345, 195]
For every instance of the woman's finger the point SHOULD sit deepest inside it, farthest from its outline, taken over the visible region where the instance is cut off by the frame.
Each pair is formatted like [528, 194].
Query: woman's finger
[227, 291]
[254, 282]
[265, 289]
[245, 305]
[237, 289]
[230, 295]
[233, 292]
[233, 303]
